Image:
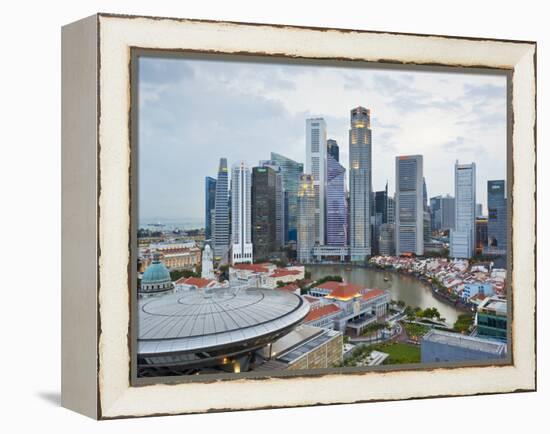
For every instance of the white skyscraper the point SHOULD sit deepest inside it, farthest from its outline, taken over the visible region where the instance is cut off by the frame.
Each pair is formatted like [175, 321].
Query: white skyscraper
[241, 216]
[409, 205]
[464, 235]
[360, 184]
[316, 165]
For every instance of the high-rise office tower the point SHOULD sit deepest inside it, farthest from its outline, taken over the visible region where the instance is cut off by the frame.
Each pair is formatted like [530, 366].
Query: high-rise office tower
[316, 165]
[386, 245]
[462, 242]
[209, 205]
[427, 228]
[306, 218]
[221, 216]
[360, 179]
[333, 149]
[379, 217]
[241, 215]
[481, 234]
[290, 172]
[336, 203]
[435, 211]
[391, 210]
[264, 211]
[442, 213]
[279, 202]
[497, 219]
[381, 204]
[448, 211]
[409, 209]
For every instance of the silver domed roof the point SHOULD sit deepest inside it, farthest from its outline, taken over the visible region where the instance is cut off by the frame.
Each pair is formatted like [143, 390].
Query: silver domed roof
[203, 319]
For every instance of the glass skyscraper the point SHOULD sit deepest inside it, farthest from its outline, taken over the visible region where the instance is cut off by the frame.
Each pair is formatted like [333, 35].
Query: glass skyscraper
[336, 203]
[209, 204]
[264, 211]
[409, 205]
[279, 202]
[360, 176]
[442, 213]
[381, 204]
[306, 218]
[221, 216]
[462, 242]
[497, 219]
[333, 149]
[290, 171]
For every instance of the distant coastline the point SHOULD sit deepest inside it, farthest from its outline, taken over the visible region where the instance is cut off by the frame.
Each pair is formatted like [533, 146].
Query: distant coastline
[171, 223]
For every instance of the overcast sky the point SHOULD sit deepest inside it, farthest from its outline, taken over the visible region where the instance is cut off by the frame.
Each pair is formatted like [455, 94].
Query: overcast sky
[192, 112]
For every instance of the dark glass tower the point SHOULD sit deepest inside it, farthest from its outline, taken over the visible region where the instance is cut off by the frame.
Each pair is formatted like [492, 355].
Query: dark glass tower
[264, 212]
[221, 218]
[333, 149]
[209, 204]
[290, 171]
[497, 220]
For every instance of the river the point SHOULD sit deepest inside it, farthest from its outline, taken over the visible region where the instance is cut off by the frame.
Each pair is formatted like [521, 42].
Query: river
[402, 287]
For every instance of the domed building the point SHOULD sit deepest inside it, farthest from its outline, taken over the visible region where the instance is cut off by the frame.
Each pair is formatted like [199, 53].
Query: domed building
[156, 279]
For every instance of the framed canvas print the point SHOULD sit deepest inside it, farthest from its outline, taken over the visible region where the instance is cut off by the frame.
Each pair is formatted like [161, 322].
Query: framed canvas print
[262, 216]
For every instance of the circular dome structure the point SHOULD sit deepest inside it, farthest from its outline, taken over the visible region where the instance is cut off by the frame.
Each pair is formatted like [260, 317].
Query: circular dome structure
[156, 278]
[201, 328]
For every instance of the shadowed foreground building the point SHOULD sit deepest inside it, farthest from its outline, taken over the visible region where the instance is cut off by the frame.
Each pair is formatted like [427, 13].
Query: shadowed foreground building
[440, 346]
[492, 318]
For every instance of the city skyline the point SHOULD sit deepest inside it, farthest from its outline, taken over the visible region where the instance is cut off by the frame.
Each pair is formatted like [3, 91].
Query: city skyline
[169, 191]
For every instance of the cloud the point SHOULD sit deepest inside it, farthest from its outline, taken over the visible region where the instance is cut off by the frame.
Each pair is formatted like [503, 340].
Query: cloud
[454, 143]
[484, 91]
[192, 112]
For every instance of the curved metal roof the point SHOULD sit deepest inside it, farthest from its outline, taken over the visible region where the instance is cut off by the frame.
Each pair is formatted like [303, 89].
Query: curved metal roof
[202, 319]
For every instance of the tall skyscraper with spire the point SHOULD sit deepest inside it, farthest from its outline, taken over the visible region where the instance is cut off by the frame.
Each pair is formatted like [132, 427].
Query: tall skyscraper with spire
[221, 233]
[316, 165]
[360, 178]
[241, 215]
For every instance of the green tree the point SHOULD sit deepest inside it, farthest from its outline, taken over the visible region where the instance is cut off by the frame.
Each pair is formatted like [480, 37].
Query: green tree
[463, 323]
